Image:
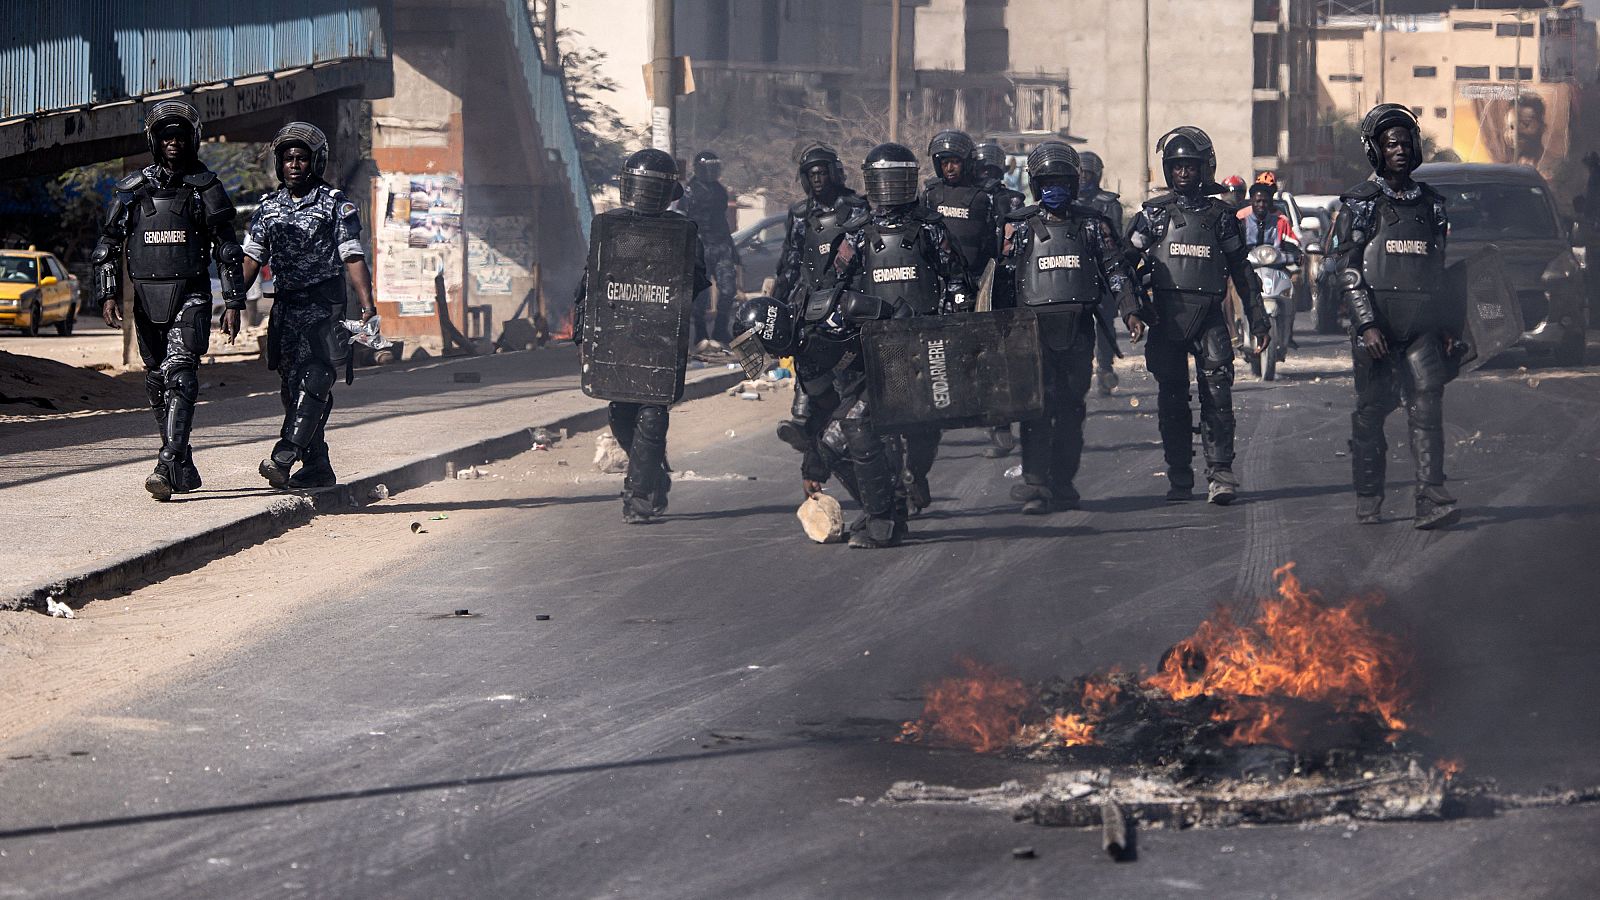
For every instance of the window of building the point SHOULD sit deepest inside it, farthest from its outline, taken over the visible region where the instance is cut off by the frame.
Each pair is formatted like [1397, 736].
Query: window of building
[1264, 128]
[1033, 109]
[1267, 10]
[1513, 29]
[1266, 61]
[1480, 73]
[1350, 77]
[1416, 111]
[944, 106]
[1512, 73]
[1440, 112]
[1471, 26]
[1424, 71]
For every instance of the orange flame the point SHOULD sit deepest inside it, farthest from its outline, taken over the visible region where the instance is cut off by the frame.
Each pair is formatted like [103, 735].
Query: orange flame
[561, 327]
[1297, 652]
[1449, 768]
[980, 710]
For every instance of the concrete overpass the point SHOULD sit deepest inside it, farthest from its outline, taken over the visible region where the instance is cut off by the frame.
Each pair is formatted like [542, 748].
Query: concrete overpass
[447, 125]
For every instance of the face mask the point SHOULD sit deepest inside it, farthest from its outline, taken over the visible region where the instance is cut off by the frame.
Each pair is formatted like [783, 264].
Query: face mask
[1054, 197]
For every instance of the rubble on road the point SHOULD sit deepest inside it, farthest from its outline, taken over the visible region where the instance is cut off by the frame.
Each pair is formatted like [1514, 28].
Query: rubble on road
[822, 519]
[609, 457]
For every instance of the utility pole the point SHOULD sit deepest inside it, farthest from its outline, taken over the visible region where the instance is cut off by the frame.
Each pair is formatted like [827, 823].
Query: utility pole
[1383, 48]
[894, 70]
[1516, 96]
[552, 50]
[1144, 101]
[662, 88]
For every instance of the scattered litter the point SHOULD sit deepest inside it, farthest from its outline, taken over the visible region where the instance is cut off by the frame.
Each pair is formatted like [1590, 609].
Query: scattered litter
[561, 462]
[1133, 402]
[379, 492]
[609, 457]
[538, 446]
[439, 518]
[1340, 453]
[749, 395]
[468, 377]
[416, 528]
[1023, 853]
[1015, 471]
[732, 433]
[366, 333]
[692, 475]
[543, 435]
[463, 612]
[542, 617]
[1533, 382]
[1470, 439]
[778, 374]
[57, 609]
[470, 473]
[565, 434]
[1317, 380]
[733, 367]
[822, 519]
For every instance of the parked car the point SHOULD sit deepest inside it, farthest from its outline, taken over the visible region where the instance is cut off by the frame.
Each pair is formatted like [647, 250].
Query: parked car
[759, 247]
[36, 290]
[1512, 207]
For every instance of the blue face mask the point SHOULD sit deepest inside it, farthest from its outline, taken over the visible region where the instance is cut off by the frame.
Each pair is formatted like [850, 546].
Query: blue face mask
[1054, 197]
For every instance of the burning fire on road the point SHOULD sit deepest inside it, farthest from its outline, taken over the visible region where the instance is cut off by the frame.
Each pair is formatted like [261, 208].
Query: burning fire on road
[1298, 712]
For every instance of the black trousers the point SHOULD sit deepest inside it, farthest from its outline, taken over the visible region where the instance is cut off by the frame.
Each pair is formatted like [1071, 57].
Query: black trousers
[1167, 355]
[1413, 372]
[722, 268]
[1052, 446]
[171, 354]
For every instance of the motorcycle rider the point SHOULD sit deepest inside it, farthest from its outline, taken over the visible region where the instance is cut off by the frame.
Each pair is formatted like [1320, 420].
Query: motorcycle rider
[649, 184]
[1062, 260]
[310, 234]
[969, 217]
[815, 228]
[1262, 223]
[1388, 247]
[1233, 192]
[165, 220]
[1189, 247]
[991, 161]
[705, 200]
[1108, 204]
[902, 262]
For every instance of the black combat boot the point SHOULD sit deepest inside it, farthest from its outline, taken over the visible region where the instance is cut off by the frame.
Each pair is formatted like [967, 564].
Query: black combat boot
[1435, 508]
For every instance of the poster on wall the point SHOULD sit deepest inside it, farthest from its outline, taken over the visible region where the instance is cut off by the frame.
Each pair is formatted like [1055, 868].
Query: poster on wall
[1494, 123]
[420, 235]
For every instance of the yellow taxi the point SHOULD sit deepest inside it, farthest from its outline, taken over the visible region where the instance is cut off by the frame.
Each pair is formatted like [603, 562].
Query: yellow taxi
[36, 290]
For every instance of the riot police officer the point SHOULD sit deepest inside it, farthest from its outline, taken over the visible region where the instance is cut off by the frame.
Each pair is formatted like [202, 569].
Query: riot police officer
[1388, 247]
[641, 287]
[1108, 204]
[991, 161]
[309, 232]
[1062, 260]
[1188, 245]
[165, 219]
[815, 227]
[902, 262]
[705, 200]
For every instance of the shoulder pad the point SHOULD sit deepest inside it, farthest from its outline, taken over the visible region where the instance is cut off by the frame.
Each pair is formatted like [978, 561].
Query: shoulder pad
[798, 208]
[860, 221]
[1027, 212]
[1366, 190]
[131, 182]
[1161, 200]
[335, 193]
[201, 179]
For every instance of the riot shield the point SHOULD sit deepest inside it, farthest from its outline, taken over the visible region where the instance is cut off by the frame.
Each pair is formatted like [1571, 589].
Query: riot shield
[1493, 314]
[636, 311]
[957, 371]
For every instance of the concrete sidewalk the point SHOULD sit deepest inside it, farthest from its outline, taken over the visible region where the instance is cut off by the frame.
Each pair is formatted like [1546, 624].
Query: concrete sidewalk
[78, 520]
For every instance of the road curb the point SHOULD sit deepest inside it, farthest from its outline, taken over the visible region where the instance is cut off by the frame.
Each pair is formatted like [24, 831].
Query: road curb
[78, 587]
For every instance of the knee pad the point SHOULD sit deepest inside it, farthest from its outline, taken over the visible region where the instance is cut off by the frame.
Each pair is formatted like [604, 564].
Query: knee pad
[317, 380]
[652, 422]
[184, 383]
[1219, 375]
[1426, 365]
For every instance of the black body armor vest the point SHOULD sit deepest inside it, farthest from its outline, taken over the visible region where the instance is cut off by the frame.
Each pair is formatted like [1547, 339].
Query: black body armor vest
[1403, 263]
[824, 228]
[897, 266]
[1057, 272]
[968, 215]
[1189, 257]
[168, 237]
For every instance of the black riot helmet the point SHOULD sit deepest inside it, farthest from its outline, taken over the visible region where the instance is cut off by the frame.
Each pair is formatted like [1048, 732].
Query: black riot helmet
[824, 156]
[1092, 167]
[707, 165]
[1187, 142]
[952, 143]
[649, 182]
[773, 323]
[166, 114]
[1053, 161]
[990, 155]
[301, 134]
[1381, 118]
[890, 173]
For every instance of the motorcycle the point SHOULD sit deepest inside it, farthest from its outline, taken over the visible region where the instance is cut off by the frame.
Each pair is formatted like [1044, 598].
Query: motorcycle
[1274, 270]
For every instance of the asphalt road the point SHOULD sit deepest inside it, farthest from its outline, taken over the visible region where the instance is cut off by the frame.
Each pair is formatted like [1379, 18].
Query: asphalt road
[709, 711]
